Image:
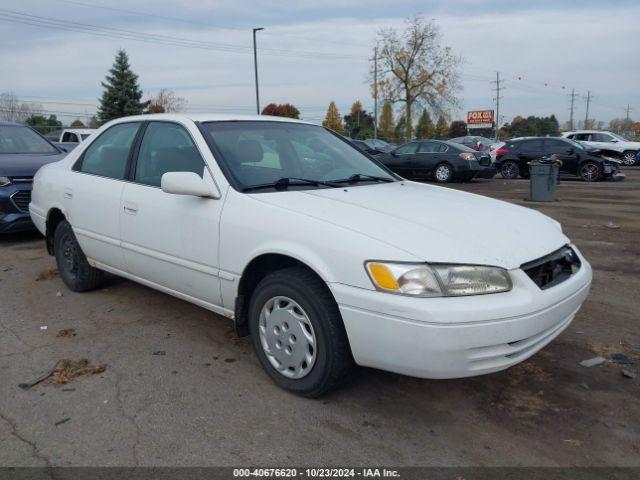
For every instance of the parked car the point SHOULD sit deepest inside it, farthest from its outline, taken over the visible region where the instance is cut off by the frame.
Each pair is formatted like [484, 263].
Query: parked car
[379, 145]
[481, 144]
[71, 137]
[365, 147]
[440, 160]
[590, 164]
[608, 143]
[22, 152]
[318, 252]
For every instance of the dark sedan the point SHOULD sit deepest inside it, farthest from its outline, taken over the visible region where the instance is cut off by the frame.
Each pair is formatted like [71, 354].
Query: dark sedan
[22, 152]
[512, 159]
[439, 160]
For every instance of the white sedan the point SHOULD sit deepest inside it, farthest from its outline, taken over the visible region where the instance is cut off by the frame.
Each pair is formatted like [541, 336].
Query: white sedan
[320, 254]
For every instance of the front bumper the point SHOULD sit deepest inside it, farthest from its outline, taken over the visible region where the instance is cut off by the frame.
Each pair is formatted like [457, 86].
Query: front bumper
[14, 208]
[458, 337]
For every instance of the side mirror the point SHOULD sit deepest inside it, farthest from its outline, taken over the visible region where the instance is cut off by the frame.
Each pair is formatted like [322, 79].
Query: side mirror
[570, 151]
[613, 140]
[393, 153]
[186, 183]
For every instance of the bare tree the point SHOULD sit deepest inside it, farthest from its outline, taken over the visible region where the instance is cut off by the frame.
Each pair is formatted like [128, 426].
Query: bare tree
[167, 101]
[417, 70]
[11, 110]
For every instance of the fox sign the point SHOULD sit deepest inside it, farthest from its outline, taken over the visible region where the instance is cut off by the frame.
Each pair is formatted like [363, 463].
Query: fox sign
[480, 118]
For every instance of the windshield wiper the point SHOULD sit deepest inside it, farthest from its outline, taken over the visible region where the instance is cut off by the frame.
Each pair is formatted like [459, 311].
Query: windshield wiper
[363, 177]
[284, 182]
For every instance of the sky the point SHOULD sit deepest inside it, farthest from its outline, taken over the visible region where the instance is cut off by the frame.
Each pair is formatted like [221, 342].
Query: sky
[313, 52]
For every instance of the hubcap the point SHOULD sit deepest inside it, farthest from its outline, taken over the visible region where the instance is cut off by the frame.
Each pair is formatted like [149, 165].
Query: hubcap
[509, 170]
[442, 173]
[287, 337]
[629, 158]
[590, 171]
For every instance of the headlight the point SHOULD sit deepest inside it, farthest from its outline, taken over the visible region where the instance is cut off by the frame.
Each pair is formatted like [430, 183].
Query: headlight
[4, 181]
[437, 280]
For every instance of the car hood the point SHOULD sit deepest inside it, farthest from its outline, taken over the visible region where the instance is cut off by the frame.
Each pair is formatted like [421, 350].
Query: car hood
[25, 164]
[434, 224]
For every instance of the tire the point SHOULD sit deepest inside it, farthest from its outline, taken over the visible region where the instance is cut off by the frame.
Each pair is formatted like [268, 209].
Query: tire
[509, 170]
[304, 347]
[74, 269]
[628, 158]
[443, 173]
[590, 171]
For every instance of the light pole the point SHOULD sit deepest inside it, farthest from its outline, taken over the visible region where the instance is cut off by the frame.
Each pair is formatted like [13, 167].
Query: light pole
[255, 66]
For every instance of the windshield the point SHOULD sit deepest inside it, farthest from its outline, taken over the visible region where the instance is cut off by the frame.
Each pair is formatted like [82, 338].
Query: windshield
[615, 135]
[259, 152]
[18, 139]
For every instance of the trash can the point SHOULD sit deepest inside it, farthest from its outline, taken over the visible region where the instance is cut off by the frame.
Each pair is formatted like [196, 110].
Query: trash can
[544, 178]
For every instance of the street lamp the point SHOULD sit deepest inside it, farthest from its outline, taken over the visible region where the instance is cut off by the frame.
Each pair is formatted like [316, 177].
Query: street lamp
[255, 66]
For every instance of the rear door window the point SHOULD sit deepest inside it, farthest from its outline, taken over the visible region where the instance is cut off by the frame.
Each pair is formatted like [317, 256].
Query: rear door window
[108, 155]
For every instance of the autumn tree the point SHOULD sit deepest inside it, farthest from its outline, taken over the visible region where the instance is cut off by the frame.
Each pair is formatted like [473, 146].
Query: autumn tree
[94, 123]
[166, 101]
[122, 95]
[426, 128]
[442, 129]
[416, 69]
[77, 123]
[359, 123]
[385, 124]
[332, 119]
[458, 128]
[281, 110]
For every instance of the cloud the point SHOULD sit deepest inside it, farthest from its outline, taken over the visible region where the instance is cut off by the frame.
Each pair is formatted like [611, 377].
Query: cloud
[548, 43]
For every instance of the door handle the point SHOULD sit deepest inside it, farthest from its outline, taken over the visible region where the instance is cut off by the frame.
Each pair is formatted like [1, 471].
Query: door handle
[68, 193]
[130, 208]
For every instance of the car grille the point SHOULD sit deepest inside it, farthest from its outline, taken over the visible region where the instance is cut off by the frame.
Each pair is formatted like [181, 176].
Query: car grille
[554, 268]
[21, 200]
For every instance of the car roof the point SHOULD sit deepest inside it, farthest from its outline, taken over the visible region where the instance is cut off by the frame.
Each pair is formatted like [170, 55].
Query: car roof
[12, 124]
[210, 117]
[587, 131]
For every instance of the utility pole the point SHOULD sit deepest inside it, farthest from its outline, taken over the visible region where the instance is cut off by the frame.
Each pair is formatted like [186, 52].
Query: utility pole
[586, 115]
[375, 92]
[573, 97]
[628, 110]
[255, 66]
[499, 87]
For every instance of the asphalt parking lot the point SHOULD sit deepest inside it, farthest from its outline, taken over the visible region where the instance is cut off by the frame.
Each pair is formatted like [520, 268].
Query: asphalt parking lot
[180, 389]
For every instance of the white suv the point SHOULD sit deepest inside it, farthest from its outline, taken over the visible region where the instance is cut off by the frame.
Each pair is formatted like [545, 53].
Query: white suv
[320, 254]
[608, 142]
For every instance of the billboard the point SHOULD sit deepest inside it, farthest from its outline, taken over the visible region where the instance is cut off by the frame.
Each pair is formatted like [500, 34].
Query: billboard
[480, 119]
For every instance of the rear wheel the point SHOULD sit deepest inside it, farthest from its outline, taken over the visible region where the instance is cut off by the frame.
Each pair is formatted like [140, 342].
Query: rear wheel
[509, 170]
[629, 158]
[590, 171]
[443, 173]
[297, 332]
[74, 269]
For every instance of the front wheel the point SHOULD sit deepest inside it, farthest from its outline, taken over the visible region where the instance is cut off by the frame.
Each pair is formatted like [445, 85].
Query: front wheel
[509, 170]
[443, 173]
[297, 332]
[590, 171]
[74, 269]
[629, 158]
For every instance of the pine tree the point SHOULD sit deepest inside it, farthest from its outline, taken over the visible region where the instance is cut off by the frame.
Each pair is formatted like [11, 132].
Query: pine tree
[122, 95]
[385, 124]
[333, 120]
[400, 130]
[442, 129]
[425, 129]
